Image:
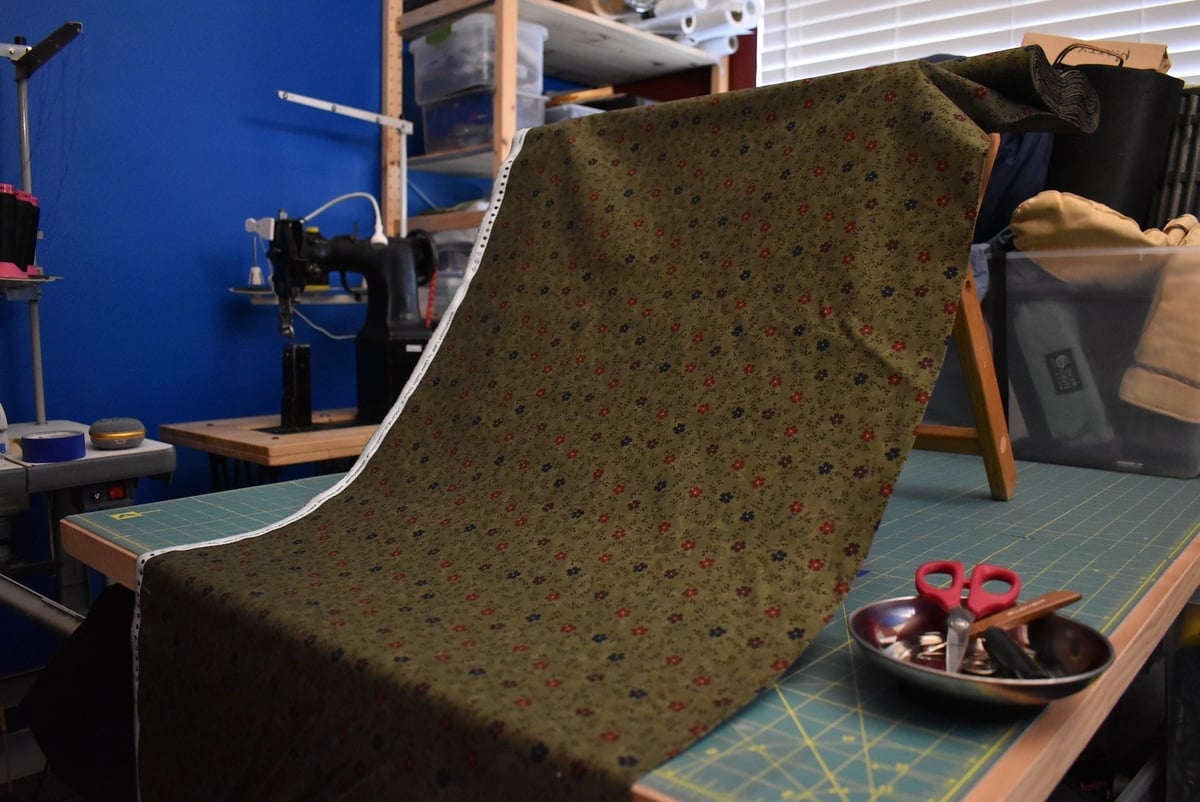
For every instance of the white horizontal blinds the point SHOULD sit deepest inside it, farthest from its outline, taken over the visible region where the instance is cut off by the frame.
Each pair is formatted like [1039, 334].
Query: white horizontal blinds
[805, 38]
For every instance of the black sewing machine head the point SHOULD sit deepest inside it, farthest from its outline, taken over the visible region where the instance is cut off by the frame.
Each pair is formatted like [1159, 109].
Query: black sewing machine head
[393, 335]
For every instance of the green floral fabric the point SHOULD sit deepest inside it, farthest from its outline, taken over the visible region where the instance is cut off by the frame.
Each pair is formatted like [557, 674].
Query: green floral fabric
[635, 480]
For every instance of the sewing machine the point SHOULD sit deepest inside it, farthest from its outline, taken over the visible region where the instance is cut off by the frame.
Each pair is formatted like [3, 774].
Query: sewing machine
[393, 335]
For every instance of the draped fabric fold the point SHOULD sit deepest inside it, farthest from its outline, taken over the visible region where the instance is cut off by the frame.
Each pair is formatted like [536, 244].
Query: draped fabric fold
[634, 477]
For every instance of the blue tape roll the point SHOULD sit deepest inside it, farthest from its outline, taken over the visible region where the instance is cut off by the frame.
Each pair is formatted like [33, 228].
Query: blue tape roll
[57, 446]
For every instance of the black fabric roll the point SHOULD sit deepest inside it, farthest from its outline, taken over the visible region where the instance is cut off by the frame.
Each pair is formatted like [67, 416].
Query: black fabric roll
[1122, 163]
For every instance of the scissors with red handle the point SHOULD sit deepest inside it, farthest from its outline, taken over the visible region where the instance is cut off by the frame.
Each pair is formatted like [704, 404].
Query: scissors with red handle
[980, 600]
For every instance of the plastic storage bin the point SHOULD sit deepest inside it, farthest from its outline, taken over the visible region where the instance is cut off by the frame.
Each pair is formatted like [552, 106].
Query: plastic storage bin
[465, 120]
[1087, 332]
[569, 111]
[462, 56]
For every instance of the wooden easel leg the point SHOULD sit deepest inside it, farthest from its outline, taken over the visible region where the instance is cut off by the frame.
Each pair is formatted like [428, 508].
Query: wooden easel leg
[989, 437]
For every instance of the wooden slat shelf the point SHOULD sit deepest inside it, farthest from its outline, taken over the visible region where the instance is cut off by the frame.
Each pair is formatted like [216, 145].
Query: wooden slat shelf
[582, 47]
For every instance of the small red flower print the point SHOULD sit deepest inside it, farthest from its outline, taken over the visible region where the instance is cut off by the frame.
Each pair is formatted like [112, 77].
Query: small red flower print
[772, 612]
[816, 564]
[674, 660]
[676, 707]
[738, 464]
[899, 345]
[886, 490]
[610, 736]
[828, 528]
[664, 527]
[624, 612]
[796, 507]
[950, 308]
[923, 397]
[868, 435]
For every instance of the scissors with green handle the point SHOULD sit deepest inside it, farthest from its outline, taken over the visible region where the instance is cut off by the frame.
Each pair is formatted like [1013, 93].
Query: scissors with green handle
[962, 612]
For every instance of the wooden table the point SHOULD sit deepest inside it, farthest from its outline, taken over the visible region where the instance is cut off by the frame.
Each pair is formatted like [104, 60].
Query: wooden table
[831, 728]
[248, 441]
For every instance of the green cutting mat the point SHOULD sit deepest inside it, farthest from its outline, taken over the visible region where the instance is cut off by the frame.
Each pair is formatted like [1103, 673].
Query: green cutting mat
[832, 729]
[179, 522]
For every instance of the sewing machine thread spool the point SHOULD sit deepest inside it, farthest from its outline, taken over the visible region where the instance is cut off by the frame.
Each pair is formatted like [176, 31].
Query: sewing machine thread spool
[296, 405]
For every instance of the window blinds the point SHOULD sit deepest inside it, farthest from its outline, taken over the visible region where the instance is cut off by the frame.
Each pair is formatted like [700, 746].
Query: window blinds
[805, 38]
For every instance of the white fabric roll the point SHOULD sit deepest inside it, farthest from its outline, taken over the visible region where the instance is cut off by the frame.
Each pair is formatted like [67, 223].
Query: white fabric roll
[670, 26]
[721, 46]
[725, 20]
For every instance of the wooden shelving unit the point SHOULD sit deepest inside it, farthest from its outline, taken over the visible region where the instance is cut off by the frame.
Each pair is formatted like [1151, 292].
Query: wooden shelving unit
[582, 47]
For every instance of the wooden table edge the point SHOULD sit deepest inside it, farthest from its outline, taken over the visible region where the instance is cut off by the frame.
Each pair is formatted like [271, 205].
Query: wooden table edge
[239, 438]
[1032, 765]
[115, 562]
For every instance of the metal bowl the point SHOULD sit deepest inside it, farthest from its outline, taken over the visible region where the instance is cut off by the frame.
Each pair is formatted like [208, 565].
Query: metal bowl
[1078, 653]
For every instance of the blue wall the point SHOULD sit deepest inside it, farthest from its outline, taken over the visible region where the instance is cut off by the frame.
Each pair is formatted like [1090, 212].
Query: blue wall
[155, 134]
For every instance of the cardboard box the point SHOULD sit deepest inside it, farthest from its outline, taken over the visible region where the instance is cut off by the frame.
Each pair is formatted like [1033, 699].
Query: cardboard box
[1136, 55]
